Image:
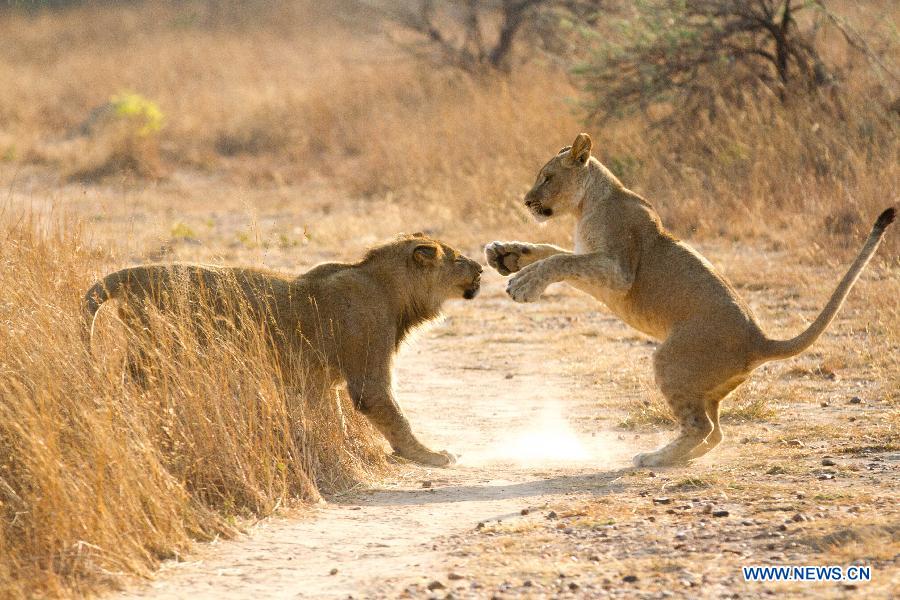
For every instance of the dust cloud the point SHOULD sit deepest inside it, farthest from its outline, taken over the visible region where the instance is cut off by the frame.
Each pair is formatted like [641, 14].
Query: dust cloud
[550, 440]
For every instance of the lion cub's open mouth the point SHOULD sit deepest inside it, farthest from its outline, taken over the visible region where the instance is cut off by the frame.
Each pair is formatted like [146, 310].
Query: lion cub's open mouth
[538, 210]
[472, 291]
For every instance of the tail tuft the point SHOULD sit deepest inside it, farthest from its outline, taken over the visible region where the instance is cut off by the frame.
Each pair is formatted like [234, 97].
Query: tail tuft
[885, 219]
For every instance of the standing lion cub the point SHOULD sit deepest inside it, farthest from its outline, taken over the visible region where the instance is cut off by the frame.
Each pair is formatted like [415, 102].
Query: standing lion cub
[659, 285]
[347, 320]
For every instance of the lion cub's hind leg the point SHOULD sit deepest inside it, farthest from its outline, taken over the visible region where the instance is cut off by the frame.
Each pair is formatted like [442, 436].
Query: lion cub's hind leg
[694, 374]
[715, 436]
[695, 425]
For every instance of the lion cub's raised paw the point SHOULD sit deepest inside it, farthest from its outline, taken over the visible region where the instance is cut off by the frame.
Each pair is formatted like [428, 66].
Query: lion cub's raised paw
[506, 257]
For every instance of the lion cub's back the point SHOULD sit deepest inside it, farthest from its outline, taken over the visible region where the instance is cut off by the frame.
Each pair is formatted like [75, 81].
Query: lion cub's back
[219, 288]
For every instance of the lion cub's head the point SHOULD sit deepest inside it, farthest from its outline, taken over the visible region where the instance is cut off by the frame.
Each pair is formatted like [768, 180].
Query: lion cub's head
[560, 182]
[429, 269]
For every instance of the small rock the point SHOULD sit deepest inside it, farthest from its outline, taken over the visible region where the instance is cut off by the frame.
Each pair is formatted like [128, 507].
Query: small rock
[426, 484]
[776, 470]
[855, 400]
[594, 558]
[828, 462]
[720, 513]
[782, 527]
[573, 586]
[436, 585]
[454, 576]
[333, 572]
[852, 419]
[509, 376]
[707, 509]
[630, 578]
[480, 526]
[826, 476]
[799, 518]
[525, 511]
[823, 404]
[552, 514]
[651, 474]
[662, 501]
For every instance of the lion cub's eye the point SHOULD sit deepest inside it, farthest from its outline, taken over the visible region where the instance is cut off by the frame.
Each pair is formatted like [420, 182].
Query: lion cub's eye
[546, 179]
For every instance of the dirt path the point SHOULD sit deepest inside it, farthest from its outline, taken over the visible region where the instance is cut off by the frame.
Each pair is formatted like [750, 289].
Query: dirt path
[469, 385]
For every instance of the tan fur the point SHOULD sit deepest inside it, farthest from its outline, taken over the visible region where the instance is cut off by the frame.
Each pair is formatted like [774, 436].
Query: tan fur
[346, 320]
[659, 285]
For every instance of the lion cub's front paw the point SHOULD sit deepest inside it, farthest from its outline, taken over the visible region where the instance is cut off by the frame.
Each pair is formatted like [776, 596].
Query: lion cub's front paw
[527, 286]
[506, 257]
[432, 459]
[437, 459]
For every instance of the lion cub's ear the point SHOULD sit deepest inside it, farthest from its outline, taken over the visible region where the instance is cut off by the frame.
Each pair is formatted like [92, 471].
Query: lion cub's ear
[426, 254]
[581, 149]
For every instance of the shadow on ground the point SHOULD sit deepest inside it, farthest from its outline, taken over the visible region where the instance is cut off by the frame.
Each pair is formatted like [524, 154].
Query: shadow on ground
[599, 484]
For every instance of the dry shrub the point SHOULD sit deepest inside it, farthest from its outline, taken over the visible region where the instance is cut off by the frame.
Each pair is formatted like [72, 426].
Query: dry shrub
[117, 151]
[100, 475]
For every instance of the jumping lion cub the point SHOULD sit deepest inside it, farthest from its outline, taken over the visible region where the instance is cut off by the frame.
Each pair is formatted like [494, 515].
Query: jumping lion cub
[346, 319]
[659, 285]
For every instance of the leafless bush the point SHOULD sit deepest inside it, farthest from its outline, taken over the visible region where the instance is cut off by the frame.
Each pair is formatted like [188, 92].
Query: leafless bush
[478, 35]
[691, 53]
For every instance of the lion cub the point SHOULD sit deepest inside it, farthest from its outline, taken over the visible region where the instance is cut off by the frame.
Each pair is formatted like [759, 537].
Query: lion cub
[347, 320]
[659, 285]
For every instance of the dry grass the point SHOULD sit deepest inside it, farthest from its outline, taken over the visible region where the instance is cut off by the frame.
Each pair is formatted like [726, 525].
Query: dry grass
[346, 106]
[100, 476]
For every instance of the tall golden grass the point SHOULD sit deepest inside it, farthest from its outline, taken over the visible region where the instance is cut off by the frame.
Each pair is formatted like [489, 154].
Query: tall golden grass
[101, 475]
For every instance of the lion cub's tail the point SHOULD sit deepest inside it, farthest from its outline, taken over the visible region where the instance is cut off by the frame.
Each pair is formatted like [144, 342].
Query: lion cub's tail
[776, 349]
[100, 292]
